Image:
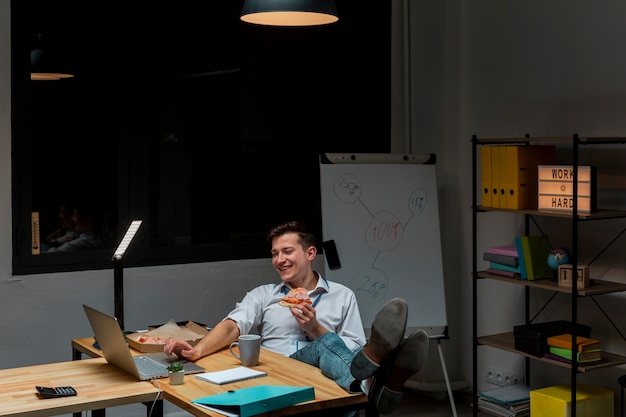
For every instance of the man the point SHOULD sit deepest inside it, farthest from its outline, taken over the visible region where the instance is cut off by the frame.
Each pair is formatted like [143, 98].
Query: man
[328, 333]
[86, 219]
[65, 232]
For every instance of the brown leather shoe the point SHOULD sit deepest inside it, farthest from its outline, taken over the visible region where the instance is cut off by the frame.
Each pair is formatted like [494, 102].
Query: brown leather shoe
[406, 361]
[388, 329]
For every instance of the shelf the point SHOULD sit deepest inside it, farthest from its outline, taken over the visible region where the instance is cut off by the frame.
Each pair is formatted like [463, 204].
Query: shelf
[596, 215]
[598, 287]
[581, 140]
[506, 341]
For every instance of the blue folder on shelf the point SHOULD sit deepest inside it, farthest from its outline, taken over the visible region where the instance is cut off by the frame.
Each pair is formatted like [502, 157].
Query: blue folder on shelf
[260, 399]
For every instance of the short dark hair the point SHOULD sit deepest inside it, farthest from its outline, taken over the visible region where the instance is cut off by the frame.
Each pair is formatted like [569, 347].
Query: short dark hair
[90, 207]
[305, 237]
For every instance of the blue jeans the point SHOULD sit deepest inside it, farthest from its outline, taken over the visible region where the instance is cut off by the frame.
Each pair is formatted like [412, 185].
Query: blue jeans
[332, 356]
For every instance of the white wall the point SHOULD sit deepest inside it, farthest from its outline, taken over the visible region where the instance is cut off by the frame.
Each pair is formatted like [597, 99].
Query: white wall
[548, 69]
[503, 69]
[483, 67]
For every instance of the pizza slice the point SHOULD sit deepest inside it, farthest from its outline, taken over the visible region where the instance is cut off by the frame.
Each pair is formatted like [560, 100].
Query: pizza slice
[296, 297]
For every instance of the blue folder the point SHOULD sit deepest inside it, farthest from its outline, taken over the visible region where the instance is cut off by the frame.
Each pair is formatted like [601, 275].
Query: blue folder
[260, 399]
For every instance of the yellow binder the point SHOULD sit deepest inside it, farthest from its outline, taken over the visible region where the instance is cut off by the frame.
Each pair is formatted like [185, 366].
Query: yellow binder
[498, 176]
[521, 173]
[485, 175]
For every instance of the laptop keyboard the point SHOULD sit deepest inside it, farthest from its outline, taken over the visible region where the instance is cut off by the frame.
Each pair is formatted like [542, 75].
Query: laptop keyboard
[148, 367]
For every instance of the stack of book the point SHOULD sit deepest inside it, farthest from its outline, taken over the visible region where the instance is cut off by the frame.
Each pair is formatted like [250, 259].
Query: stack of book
[509, 401]
[503, 260]
[587, 350]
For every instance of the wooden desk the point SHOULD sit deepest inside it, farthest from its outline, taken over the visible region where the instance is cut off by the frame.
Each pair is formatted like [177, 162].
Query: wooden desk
[281, 370]
[98, 385]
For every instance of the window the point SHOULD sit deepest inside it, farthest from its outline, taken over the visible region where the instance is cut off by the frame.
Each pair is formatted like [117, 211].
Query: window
[206, 128]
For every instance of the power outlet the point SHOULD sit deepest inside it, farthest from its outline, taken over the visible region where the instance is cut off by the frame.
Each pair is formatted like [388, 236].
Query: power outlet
[503, 378]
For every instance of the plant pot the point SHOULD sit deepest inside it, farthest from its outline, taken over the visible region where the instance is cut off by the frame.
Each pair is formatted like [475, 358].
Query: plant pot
[177, 378]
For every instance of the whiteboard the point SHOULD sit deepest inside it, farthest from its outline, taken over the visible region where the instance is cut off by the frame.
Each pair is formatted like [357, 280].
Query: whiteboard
[382, 213]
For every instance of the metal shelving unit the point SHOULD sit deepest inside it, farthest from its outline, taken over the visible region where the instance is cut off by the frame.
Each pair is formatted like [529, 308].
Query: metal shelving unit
[505, 341]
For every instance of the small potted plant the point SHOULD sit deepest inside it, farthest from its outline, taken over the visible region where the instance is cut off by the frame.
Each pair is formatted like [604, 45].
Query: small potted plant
[176, 373]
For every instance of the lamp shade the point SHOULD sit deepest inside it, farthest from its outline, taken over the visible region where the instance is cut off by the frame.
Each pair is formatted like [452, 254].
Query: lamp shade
[44, 65]
[289, 12]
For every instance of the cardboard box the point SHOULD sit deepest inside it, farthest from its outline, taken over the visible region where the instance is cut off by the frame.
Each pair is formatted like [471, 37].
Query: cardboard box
[566, 276]
[556, 401]
[531, 338]
[155, 339]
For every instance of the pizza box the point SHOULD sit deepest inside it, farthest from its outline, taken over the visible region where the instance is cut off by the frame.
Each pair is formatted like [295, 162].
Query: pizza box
[154, 340]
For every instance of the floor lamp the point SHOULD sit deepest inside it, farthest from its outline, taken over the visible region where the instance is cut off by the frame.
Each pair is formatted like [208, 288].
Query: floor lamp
[118, 271]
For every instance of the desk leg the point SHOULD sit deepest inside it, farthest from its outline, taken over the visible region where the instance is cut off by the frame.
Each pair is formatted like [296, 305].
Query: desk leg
[76, 356]
[371, 410]
[157, 410]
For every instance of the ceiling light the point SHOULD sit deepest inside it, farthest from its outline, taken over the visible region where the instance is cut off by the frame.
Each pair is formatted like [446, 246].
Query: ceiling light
[289, 12]
[44, 65]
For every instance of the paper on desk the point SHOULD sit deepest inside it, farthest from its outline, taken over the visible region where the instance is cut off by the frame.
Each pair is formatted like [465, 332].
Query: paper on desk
[218, 410]
[171, 330]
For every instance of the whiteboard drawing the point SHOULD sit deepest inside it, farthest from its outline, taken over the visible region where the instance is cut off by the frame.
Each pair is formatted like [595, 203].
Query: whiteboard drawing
[385, 223]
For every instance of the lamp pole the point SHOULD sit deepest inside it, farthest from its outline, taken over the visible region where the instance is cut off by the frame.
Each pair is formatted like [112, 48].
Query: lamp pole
[118, 271]
[118, 289]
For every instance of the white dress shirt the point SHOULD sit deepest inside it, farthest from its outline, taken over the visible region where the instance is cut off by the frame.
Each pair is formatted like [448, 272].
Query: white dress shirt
[336, 309]
[86, 240]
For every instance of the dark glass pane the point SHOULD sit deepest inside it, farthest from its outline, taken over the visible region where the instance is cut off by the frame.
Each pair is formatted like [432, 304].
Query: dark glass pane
[206, 128]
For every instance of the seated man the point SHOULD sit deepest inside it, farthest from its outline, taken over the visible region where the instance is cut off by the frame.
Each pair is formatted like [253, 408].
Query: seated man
[65, 231]
[328, 333]
[87, 219]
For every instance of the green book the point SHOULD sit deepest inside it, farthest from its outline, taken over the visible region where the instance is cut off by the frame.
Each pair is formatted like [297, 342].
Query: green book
[536, 250]
[588, 356]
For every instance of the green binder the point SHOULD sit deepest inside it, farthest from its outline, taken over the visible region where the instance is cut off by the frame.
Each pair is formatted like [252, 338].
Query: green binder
[260, 399]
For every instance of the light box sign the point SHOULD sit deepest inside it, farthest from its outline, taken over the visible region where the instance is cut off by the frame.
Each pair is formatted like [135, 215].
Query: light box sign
[556, 188]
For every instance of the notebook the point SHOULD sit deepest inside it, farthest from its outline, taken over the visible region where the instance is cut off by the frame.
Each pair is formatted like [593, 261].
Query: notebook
[115, 350]
[240, 373]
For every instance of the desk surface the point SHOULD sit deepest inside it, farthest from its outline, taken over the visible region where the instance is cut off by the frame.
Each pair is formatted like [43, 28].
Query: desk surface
[281, 370]
[98, 385]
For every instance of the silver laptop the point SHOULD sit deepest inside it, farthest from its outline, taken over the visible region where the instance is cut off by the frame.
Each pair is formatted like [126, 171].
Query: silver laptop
[144, 367]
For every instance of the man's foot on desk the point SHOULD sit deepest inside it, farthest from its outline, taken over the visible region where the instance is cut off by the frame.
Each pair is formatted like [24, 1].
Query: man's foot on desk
[388, 329]
[406, 361]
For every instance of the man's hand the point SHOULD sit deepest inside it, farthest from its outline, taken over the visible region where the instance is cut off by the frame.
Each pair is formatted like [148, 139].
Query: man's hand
[223, 333]
[306, 316]
[181, 349]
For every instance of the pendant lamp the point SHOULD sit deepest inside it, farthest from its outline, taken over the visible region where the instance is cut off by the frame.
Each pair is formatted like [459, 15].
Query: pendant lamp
[289, 12]
[44, 65]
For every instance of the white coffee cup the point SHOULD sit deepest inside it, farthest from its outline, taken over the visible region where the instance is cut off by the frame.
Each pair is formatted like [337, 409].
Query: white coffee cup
[249, 349]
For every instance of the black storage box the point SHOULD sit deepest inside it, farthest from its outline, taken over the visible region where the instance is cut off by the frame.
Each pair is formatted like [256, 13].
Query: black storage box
[532, 338]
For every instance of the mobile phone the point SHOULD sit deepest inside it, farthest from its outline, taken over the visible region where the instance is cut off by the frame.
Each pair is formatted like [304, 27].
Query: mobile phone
[55, 392]
[331, 255]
